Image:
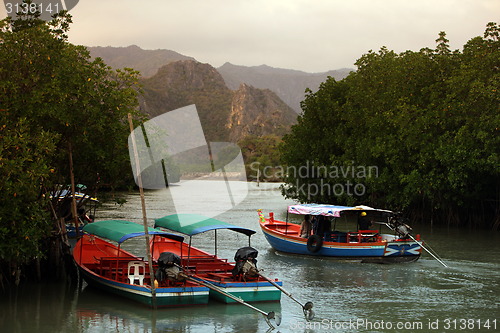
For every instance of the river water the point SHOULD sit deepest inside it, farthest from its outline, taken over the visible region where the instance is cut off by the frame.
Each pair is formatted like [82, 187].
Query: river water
[423, 296]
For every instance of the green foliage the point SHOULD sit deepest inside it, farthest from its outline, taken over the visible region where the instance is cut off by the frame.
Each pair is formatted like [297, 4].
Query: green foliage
[428, 121]
[23, 166]
[261, 153]
[57, 88]
[53, 100]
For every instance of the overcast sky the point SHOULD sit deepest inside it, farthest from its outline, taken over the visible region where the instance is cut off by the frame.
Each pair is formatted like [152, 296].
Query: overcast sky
[308, 35]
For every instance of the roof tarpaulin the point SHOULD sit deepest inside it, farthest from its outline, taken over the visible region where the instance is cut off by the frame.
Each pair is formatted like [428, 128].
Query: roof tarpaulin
[327, 210]
[192, 224]
[119, 230]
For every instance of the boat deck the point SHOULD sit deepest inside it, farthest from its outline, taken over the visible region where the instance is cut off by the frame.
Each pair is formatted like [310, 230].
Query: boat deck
[292, 230]
[110, 262]
[202, 264]
[284, 228]
[206, 264]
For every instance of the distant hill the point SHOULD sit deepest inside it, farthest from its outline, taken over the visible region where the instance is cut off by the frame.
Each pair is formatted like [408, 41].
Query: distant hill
[145, 61]
[225, 115]
[288, 84]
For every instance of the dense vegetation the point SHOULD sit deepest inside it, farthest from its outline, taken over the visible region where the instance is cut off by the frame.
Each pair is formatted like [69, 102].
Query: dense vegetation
[415, 131]
[261, 156]
[54, 103]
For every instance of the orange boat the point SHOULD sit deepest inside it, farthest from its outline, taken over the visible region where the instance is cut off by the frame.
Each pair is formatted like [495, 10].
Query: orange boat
[240, 278]
[110, 268]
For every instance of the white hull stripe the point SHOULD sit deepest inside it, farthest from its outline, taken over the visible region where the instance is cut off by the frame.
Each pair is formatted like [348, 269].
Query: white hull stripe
[251, 289]
[159, 293]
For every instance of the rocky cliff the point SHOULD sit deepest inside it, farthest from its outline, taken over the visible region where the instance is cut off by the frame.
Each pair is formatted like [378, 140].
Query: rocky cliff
[258, 112]
[289, 85]
[226, 115]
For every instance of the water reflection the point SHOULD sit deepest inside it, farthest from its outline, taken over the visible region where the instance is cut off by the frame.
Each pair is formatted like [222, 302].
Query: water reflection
[37, 308]
[94, 309]
[417, 292]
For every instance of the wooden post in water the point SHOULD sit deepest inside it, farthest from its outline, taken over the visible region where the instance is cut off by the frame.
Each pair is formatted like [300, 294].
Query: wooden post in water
[143, 205]
[73, 188]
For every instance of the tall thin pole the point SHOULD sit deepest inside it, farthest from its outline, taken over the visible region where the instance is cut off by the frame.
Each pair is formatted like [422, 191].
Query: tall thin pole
[73, 188]
[143, 205]
[215, 243]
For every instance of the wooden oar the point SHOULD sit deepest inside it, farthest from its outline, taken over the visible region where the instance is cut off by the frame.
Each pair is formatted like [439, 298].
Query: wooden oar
[306, 308]
[200, 281]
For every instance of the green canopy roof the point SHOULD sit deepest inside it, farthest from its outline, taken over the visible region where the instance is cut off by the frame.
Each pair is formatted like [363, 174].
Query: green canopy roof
[119, 230]
[192, 224]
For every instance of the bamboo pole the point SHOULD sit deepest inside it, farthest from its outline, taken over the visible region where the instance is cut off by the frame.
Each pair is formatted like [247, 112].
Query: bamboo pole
[73, 189]
[143, 205]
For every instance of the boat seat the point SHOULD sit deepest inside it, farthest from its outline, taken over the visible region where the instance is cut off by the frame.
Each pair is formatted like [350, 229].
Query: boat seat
[136, 271]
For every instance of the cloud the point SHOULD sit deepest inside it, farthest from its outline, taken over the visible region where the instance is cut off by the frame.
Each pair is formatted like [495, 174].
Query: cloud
[306, 35]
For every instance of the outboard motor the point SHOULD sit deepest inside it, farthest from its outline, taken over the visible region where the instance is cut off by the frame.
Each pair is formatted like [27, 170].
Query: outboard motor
[246, 262]
[402, 229]
[168, 268]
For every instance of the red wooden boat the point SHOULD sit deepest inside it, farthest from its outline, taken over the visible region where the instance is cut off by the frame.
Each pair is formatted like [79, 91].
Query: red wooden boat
[110, 268]
[239, 278]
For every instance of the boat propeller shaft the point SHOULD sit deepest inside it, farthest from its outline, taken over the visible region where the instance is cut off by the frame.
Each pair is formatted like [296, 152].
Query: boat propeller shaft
[306, 308]
[267, 315]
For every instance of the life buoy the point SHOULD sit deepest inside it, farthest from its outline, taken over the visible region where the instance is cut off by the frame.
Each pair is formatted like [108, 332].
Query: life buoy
[314, 243]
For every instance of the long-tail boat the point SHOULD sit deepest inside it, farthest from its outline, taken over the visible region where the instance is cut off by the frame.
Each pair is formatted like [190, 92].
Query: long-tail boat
[240, 278]
[353, 233]
[109, 267]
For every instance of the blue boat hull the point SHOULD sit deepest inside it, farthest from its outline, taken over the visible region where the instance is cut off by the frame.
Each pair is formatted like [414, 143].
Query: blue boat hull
[165, 297]
[396, 251]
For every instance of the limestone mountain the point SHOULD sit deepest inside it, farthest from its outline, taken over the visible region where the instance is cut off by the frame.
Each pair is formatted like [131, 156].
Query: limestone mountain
[289, 85]
[226, 115]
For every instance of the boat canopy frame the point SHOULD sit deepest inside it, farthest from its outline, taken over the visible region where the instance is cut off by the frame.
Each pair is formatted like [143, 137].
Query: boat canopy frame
[193, 224]
[335, 211]
[120, 230]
